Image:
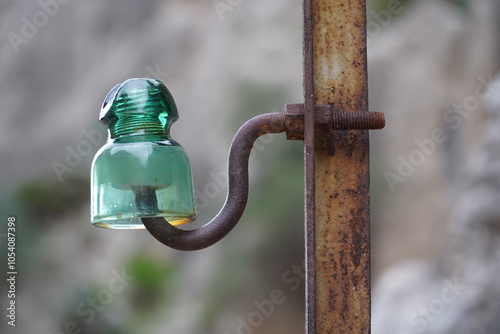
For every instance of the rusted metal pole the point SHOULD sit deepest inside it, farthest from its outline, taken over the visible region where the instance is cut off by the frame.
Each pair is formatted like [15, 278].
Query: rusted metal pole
[342, 228]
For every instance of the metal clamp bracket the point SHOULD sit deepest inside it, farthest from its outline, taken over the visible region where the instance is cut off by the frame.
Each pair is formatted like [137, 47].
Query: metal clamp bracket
[327, 119]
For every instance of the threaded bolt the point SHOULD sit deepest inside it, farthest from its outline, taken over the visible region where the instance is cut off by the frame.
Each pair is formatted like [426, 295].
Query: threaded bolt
[358, 120]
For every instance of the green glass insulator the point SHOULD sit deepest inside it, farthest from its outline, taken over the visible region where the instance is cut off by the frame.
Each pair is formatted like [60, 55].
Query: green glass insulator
[141, 171]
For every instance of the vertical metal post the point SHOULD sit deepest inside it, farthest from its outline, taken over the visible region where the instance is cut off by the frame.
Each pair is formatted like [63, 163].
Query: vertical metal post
[309, 179]
[337, 170]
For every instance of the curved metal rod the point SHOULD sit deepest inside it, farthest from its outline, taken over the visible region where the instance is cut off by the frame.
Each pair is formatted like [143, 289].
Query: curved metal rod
[237, 193]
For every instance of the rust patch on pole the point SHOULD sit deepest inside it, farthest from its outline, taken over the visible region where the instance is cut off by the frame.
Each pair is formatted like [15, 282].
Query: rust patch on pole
[341, 170]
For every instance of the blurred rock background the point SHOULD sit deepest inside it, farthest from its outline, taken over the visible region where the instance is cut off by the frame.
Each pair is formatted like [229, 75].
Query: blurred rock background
[223, 65]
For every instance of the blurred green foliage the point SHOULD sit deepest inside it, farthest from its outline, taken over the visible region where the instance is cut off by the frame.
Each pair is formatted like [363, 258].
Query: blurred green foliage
[254, 98]
[47, 200]
[152, 280]
[462, 4]
[378, 5]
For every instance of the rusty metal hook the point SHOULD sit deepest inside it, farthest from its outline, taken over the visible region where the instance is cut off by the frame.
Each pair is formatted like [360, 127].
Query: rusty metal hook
[237, 193]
